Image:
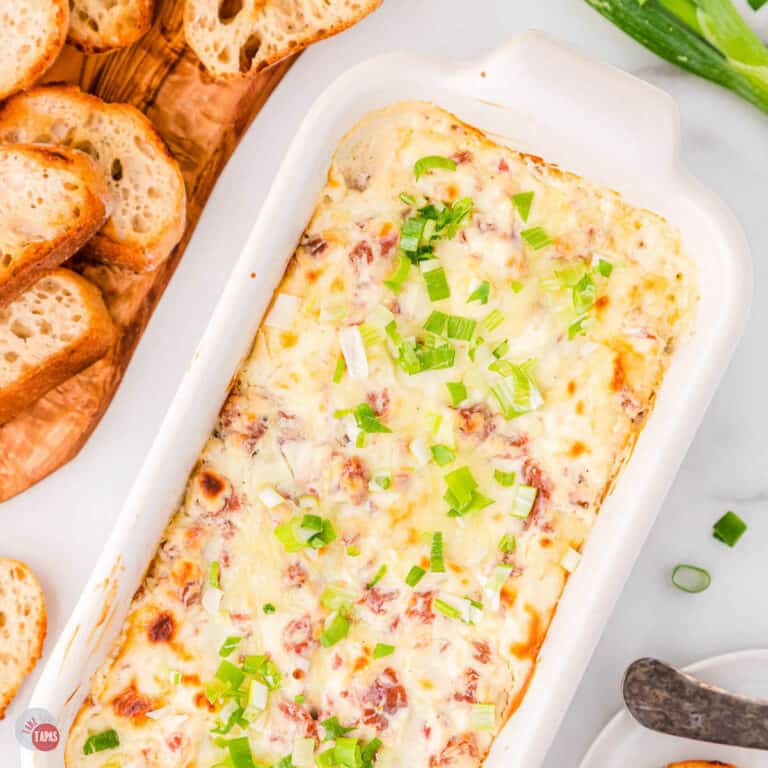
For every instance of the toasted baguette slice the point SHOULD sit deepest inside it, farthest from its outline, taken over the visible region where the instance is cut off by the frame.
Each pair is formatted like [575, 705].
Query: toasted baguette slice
[22, 627]
[32, 32]
[52, 200]
[234, 37]
[96, 26]
[51, 332]
[700, 764]
[150, 201]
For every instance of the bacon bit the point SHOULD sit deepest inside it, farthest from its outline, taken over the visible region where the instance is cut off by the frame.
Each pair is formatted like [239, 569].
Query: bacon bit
[468, 691]
[297, 575]
[298, 636]
[131, 703]
[379, 401]
[482, 651]
[175, 742]
[485, 226]
[201, 702]
[162, 628]
[386, 696]
[300, 716]
[462, 157]
[375, 600]
[362, 252]
[253, 434]
[535, 476]
[476, 420]
[337, 661]
[387, 244]
[316, 245]
[191, 593]
[503, 165]
[354, 479]
[460, 746]
[420, 607]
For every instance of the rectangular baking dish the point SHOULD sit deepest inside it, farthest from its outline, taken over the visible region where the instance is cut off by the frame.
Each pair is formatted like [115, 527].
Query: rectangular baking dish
[536, 95]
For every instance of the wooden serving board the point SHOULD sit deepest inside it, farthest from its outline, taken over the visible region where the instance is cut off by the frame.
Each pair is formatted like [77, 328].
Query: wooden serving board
[202, 122]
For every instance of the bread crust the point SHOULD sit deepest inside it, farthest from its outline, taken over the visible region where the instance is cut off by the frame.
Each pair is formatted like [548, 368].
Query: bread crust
[90, 41]
[40, 257]
[21, 113]
[47, 55]
[37, 635]
[298, 43]
[66, 362]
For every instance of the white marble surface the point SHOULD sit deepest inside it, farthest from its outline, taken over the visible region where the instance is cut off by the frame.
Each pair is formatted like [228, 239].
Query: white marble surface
[60, 526]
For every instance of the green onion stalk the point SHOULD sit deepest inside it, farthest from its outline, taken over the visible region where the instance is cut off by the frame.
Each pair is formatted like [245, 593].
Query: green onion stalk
[706, 37]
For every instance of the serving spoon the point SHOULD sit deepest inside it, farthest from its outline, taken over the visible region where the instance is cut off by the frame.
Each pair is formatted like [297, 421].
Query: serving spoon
[663, 698]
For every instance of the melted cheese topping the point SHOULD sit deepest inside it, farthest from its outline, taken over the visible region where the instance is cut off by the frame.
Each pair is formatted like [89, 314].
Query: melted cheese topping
[281, 449]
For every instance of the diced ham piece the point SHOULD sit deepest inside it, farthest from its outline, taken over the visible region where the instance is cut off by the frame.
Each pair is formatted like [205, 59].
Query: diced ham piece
[384, 698]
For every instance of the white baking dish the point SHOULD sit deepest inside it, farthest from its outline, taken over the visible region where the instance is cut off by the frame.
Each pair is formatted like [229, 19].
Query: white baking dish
[536, 95]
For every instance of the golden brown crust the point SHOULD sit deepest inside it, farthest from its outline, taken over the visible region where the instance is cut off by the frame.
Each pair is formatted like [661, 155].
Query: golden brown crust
[700, 764]
[107, 244]
[12, 574]
[66, 362]
[37, 258]
[48, 55]
[83, 37]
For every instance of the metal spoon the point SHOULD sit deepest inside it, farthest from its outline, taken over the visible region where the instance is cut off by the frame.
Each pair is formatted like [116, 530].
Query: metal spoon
[665, 699]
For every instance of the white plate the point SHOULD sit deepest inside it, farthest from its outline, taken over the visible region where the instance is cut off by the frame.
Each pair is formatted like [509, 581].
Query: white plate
[625, 743]
[534, 94]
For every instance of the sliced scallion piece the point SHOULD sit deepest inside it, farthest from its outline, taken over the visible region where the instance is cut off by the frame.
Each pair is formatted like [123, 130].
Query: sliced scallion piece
[729, 528]
[522, 202]
[338, 371]
[483, 717]
[98, 742]
[377, 578]
[536, 237]
[334, 729]
[457, 391]
[240, 753]
[481, 293]
[496, 581]
[436, 322]
[337, 629]
[229, 645]
[431, 162]
[436, 560]
[395, 281]
[507, 544]
[690, 578]
[382, 649]
[525, 498]
[269, 608]
[461, 328]
[437, 284]
[415, 575]
[214, 579]
[407, 199]
[507, 479]
[501, 349]
[442, 454]
[604, 267]
[492, 320]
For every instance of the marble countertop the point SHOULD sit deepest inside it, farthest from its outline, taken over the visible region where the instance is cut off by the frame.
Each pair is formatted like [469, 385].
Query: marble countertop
[59, 527]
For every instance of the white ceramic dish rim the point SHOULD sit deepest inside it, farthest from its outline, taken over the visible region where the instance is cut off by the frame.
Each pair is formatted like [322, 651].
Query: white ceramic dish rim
[615, 728]
[539, 96]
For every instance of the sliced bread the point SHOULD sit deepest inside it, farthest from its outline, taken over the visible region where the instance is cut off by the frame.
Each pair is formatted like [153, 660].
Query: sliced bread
[149, 198]
[32, 32]
[236, 37]
[52, 200]
[51, 332]
[23, 626]
[100, 25]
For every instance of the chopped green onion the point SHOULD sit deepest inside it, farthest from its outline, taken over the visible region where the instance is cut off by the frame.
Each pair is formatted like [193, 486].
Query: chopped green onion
[336, 630]
[382, 649]
[457, 391]
[442, 454]
[525, 498]
[264, 670]
[522, 202]
[395, 281]
[433, 161]
[461, 328]
[365, 418]
[407, 199]
[729, 528]
[436, 561]
[269, 608]
[353, 551]
[338, 371]
[334, 729]
[377, 578]
[175, 677]
[240, 753]
[383, 481]
[516, 286]
[368, 752]
[98, 742]
[502, 367]
[214, 575]
[446, 609]
[690, 578]
[507, 544]
[326, 759]
[481, 293]
[498, 577]
[229, 645]
[576, 328]
[257, 698]
[492, 320]
[302, 756]
[507, 479]
[335, 598]
[483, 717]
[536, 237]
[415, 575]
[604, 267]
[299, 699]
[501, 349]
[436, 322]
[437, 284]
[462, 485]
[347, 753]
[517, 394]
[584, 293]
[411, 234]
[230, 675]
